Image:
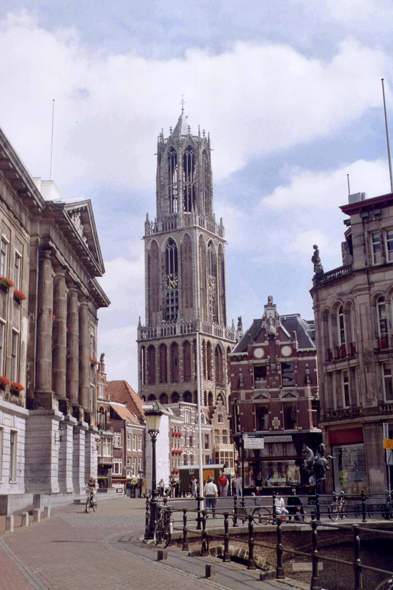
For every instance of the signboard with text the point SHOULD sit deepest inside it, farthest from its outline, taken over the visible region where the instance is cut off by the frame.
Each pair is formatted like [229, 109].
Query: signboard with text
[254, 443]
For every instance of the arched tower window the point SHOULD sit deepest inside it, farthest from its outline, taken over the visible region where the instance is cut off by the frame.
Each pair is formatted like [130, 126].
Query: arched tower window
[171, 281]
[151, 365]
[221, 274]
[209, 361]
[210, 399]
[172, 180]
[187, 360]
[143, 365]
[163, 364]
[341, 325]
[204, 363]
[202, 277]
[187, 272]
[382, 318]
[212, 282]
[174, 362]
[154, 277]
[206, 198]
[218, 362]
[189, 180]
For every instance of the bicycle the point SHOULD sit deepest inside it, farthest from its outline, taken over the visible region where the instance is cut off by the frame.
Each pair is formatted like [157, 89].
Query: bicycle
[386, 585]
[387, 510]
[162, 529]
[90, 501]
[256, 511]
[339, 507]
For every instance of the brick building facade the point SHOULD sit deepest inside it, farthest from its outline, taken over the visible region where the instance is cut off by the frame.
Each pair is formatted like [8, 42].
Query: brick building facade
[354, 335]
[275, 395]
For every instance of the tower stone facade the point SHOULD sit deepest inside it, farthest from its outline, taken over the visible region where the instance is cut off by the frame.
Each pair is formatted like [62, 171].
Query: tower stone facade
[184, 278]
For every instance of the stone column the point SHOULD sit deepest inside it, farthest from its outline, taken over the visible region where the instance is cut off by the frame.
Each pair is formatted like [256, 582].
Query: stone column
[73, 347]
[91, 453]
[42, 452]
[66, 452]
[79, 457]
[44, 336]
[60, 334]
[84, 361]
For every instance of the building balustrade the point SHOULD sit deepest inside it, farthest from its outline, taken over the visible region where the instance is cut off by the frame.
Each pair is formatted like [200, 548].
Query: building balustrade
[182, 220]
[383, 342]
[342, 413]
[333, 275]
[190, 327]
[341, 352]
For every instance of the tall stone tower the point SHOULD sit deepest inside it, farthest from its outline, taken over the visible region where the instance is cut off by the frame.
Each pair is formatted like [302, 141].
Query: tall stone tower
[184, 278]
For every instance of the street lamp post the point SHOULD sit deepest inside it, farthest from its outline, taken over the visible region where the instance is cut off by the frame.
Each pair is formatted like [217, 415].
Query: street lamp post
[153, 413]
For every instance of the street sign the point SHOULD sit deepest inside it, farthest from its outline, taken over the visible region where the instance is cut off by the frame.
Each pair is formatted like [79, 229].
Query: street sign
[254, 443]
[388, 443]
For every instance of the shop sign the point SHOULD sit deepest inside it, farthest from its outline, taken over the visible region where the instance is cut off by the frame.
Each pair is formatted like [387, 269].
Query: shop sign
[253, 442]
[278, 439]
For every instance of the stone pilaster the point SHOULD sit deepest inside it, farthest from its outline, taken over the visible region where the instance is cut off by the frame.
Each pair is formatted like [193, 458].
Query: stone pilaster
[44, 332]
[79, 440]
[66, 452]
[42, 451]
[60, 335]
[91, 453]
[84, 361]
[73, 346]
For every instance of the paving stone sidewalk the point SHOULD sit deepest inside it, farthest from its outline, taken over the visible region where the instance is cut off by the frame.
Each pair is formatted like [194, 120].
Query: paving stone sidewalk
[73, 550]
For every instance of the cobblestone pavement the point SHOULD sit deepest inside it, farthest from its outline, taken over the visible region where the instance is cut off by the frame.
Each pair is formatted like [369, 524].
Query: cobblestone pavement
[73, 550]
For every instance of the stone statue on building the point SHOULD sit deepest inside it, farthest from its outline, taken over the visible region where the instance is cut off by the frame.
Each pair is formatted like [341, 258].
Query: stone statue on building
[317, 464]
[316, 260]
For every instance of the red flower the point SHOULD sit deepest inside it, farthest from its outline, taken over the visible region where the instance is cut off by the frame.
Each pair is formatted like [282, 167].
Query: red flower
[93, 361]
[17, 387]
[19, 295]
[53, 317]
[4, 282]
[4, 381]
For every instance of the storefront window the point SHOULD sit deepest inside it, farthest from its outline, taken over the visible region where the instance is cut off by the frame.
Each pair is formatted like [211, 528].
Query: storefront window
[349, 468]
[274, 473]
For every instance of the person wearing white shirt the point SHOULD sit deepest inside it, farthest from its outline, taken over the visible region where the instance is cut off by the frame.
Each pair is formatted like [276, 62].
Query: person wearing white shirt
[279, 505]
[239, 485]
[210, 492]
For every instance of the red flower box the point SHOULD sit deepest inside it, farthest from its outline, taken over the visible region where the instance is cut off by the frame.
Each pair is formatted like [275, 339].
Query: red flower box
[6, 283]
[93, 361]
[4, 381]
[16, 387]
[19, 296]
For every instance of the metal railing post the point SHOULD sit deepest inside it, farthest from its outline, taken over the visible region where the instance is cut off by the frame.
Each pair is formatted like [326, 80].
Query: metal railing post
[251, 561]
[317, 506]
[315, 581]
[147, 516]
[364, 507]
[199, 513]
[357, 564]
[227, 557]
[185, 542]
[280, 573]
[204, 550]
[235, 511]
[274, 506]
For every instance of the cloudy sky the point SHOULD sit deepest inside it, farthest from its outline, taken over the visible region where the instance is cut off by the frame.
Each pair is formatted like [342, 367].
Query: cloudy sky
[289, 89]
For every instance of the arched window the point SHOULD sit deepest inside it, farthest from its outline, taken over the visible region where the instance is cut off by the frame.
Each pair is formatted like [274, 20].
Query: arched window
[205, 398]
[171, 281]
[187, 397]
[175, 398]
[187, 272]
[151, 397]
[143, 365]
[174, 362]
[326, 335]
[189, 180]
[218, 359]
[382, 323]
[154, 277]
[204, 360]
[163, 398]
[206, 199]
[151, 365]
[202, 277]
[194, 359]
[187, 361]
[212, 282]
[172, 180]
[210, 399]
[221, 274]
[209, 362]
[163, 364]
[341, 325]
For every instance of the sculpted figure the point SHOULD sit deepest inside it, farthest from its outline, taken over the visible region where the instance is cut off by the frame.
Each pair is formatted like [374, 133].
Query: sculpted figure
[316, 260]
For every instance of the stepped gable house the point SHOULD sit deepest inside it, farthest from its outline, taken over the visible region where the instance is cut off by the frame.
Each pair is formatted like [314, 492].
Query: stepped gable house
[49, 298]
[275, 395]
[354, 329]
[185, 278]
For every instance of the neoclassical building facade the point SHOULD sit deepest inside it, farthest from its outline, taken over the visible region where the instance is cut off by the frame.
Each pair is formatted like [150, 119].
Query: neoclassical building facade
[185, 278]
[50, 258]
[354, 335]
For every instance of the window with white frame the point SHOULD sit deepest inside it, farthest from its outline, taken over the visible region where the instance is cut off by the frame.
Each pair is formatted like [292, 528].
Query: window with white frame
[139, 443]
[1, 452]
[387, 383]
[219, 418]
[117, 439]
[3, 257]
[191, 440]
[187, 416]
[134, 464]
[346, 390]
[382, 317]
[128, 461]
[376, 248]
[106, 447]
[134, 442]
[129, 443]
[341, 325]
[101, 389]
[13, 454]
[140, 464]
[117, 468]
[17, 271]
[2, 333]
[389, 245]
[14, 356]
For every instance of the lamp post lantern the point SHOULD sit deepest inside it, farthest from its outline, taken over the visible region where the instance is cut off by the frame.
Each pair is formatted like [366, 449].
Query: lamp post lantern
[153, 413]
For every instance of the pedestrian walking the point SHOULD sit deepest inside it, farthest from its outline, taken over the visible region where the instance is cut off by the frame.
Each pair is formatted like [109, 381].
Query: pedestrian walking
[210, 492]
[223, 481]
[239, 485]
[194, 486]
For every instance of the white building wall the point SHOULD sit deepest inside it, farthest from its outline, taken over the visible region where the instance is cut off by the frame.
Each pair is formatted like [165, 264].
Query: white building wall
[12, 418]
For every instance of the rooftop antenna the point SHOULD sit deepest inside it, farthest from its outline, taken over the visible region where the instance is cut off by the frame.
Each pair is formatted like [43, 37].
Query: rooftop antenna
[349, 190]
[387, 136]
[51, 147]
[182, 102]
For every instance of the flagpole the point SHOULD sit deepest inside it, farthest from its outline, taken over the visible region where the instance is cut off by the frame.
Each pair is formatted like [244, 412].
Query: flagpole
[199, 410]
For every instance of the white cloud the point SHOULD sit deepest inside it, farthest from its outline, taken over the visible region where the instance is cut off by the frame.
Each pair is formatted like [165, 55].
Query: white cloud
[120, 349]
[255, 99]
